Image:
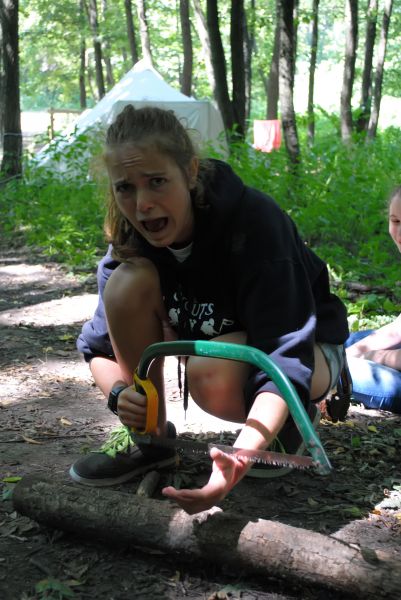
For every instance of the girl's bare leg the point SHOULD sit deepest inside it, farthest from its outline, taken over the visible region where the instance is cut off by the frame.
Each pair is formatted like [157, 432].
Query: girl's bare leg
[106, 372]
[135, 311]
[217, 385]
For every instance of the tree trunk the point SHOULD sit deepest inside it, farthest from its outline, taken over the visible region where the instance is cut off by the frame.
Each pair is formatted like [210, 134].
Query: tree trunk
[131, 31]
[107, 52]
[2, 83]
[381, 55]
[286, 85]
[349, 69]
[82, 58]
[312, 69]
[186, 79]
[11, 165]
[205, 41]
[144, 31]
[97, 48]
[237, 42]
[366, 92]
[249, 47]
[267, 548]
[219, 65]
[295, 36]
[272, 85]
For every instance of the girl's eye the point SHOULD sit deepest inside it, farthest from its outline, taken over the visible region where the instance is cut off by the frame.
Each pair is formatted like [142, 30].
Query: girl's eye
[121, 188]
[157, 181]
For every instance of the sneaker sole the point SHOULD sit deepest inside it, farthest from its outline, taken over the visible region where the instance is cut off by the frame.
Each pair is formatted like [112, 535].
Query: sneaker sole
[166, 462]
[281, 471]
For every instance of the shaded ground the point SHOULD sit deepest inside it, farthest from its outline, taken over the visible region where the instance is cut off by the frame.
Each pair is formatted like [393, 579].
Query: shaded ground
[51, 412]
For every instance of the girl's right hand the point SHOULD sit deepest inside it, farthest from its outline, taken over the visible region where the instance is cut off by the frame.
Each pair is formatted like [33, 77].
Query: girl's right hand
[132, 408]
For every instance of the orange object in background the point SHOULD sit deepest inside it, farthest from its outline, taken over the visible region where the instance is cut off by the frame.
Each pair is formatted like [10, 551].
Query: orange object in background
[267, 135]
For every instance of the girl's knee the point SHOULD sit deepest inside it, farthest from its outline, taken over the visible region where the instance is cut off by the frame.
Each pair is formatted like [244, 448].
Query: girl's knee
[133, 286]
[217, 387]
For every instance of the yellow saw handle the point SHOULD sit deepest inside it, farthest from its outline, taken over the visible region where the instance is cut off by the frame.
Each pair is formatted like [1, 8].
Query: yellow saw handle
[146, 387]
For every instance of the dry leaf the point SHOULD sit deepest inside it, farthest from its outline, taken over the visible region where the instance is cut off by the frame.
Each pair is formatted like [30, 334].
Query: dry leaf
[30, 440]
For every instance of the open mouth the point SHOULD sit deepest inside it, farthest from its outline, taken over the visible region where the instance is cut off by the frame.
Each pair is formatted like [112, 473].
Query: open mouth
[155, 225]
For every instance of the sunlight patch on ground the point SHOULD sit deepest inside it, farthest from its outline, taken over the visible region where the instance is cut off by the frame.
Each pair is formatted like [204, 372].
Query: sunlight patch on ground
[26, 272]
[63, 311]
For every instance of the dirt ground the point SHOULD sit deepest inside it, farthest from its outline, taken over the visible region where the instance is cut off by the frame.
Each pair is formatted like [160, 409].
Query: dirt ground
[51, 413]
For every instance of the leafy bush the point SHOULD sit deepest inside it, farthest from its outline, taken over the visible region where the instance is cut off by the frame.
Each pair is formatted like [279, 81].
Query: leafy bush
[337, 198]
[57, 206]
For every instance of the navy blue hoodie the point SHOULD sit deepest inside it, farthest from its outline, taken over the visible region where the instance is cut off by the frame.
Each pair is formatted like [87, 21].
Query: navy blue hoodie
[248, 271]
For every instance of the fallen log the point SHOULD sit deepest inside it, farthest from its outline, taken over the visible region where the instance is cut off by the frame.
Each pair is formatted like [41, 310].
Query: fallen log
[261, 547]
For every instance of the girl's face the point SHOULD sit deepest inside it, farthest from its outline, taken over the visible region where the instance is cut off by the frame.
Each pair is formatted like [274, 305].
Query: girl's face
[394, 226]
[153, 194]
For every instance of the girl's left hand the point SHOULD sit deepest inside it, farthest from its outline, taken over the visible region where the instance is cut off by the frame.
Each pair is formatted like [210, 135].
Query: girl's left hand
[226, 473]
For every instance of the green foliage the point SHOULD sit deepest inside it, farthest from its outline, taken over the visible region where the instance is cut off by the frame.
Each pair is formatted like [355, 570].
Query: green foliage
[337, 199]
[56, 206]
[53, 589]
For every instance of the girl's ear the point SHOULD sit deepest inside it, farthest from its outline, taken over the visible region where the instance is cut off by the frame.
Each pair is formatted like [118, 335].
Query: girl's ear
[193, 172]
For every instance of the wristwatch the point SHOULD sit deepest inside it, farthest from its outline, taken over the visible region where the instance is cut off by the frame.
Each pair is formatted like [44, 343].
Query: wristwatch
[113, 397]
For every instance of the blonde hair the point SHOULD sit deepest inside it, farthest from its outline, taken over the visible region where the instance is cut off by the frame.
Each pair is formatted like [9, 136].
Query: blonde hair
[150, 126]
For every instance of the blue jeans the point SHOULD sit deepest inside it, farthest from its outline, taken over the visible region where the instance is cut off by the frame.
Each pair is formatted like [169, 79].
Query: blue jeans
[375, 386]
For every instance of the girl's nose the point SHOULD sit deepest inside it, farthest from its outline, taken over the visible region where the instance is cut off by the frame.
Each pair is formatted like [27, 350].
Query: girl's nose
[144, 201]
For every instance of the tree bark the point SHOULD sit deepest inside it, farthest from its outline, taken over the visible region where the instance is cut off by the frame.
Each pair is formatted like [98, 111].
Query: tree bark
[286, 78]
[11, 165]
[2, 82]
[349, 69]
[381, 55]
[144, 31]
[219, 65]
[272, 84]
[312, 70]
[186, 78]
[366, 92]
[106, 45]
[249, 46]
[97, 47]
[237, 42]
[201, 27]
[265, 548]
[131, 31]
[82, 58]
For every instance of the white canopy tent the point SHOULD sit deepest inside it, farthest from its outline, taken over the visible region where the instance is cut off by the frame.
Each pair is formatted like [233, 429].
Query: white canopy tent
[144, 86]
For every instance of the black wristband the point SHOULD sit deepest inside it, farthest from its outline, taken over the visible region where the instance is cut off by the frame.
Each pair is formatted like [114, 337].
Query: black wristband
[113, 397]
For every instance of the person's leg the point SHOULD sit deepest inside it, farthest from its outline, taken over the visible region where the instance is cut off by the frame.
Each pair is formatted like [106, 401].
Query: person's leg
[105, 372]
[321, 377]
[356, 336]
[217, 384]
[375, 386]
[135, 310]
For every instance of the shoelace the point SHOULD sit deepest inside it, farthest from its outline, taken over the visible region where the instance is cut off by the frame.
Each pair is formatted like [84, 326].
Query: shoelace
[119, 441]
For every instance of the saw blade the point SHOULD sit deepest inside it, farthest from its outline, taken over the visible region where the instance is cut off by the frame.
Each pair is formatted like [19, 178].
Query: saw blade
[266, 457]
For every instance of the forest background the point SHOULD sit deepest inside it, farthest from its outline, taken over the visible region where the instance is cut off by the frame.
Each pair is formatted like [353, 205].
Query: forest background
[331, 72]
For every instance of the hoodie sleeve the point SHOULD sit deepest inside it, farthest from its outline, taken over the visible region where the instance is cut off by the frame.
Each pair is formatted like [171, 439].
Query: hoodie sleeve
[94, 338]
[275, 300]
[278, 310]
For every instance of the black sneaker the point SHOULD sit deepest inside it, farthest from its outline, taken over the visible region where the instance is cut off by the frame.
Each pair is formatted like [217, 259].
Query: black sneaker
[288, 441]
[120, 460]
